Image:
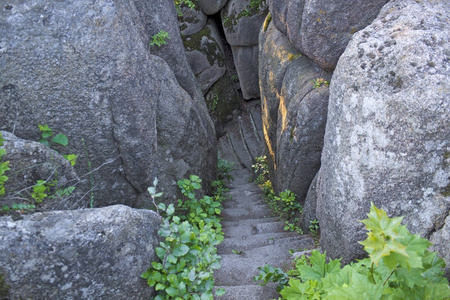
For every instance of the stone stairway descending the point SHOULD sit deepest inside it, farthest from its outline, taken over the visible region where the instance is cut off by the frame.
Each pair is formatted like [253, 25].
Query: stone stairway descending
[253, 237]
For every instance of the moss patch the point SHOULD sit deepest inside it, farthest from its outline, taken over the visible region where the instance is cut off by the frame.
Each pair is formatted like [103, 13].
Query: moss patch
[204, 42]
[4, 288]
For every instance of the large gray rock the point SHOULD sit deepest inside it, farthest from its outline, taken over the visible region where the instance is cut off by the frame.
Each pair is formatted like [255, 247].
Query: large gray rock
[294, 112]
[211, 7]
[86, 71]
[192, 20]
[242, 23]
[321, 29]
[77, 76]
[387, 137]
[247, 64]
[302, 117]
[183, 124]
[31, 161]
[223, 101]
[205, 54]
[81, 254]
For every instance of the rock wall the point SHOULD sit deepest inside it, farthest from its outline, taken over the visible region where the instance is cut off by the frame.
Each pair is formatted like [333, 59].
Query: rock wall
[240, 22]
[85, 69]
[387, 139]
[321, 29]
[293, 111]
[80, 254]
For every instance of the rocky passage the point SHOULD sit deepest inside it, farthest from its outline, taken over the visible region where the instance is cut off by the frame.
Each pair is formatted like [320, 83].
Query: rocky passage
[253, 237]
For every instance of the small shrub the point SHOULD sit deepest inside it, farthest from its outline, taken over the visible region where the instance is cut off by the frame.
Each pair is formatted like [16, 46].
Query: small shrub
[399, 267]
[317, 83]
[160, 38]
[179, 3]
[188, 254]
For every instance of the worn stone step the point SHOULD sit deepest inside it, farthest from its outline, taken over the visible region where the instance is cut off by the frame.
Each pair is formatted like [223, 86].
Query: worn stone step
[257, 212]
[249, 292]
[248, 222]
[250, 137]
[252, 227]
[249, 245]
[240, 148]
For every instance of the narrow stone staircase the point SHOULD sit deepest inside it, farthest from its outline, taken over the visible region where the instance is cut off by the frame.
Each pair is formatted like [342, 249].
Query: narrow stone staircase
[253, 237]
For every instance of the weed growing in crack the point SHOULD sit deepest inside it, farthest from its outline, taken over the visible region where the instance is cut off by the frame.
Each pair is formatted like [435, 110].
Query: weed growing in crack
[285, 206]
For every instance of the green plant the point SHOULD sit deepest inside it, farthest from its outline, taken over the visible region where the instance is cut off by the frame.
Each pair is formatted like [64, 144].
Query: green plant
[188, 254]
[246, 13]
[269, 273]
[237, 252]
[205, 210]
[293, 57]
[179, 3]
[314, 228]
[4, 166]
[257, 4]
[43, 189]
[318, 82]
[213, 102]
[234, 78]
[22, 207]
[399, 267]
[60, 139]
[224, 168]
[262, 169]
[160, 38]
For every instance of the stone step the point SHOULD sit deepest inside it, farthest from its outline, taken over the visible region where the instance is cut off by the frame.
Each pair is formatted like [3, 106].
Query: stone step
[252, 227]
[257, 212]
[249, 135]
[249, 292]
[240, 149]
[248, 222]
[250, 245]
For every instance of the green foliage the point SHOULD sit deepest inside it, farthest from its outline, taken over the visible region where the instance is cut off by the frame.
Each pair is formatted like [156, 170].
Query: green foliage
[285, 205]
[269, 273]
[234, 78]
[257, 4]
[4, 166]
[191, 233]
[160, 38]
[318, 82]
[22, 207]
[314, 228]
[179, 3]
[224, 168]
[262, 169]
[39, 191]
[197, 211]
[399, 267]
[43, 189]
[60, 139]
[213, 102]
